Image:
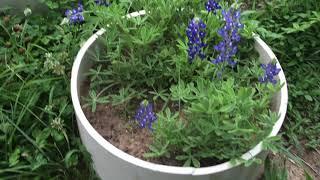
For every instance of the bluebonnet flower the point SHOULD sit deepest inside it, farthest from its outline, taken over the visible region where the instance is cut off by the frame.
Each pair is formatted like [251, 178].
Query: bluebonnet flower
[212, 6]
[270, 71]
[75, 15]
[228, 47]
[102, 2]
[145, 115]
[196, 34]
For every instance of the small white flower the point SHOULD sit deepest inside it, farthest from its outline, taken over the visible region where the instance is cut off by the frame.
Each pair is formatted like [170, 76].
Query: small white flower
[48, 64]
[58, 69]
[27, 12]
[48, 108]
[57, 124]
[48, 55]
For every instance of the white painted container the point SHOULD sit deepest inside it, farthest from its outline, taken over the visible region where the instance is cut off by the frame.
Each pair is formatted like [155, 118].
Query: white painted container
[113, 164]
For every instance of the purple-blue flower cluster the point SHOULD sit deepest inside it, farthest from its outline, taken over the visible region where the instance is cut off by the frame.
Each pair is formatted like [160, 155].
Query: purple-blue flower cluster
[145, 115]
[212, 6]
[102, 2]
[75, 15]
[270, 71]
[196, 34]
[228, 47]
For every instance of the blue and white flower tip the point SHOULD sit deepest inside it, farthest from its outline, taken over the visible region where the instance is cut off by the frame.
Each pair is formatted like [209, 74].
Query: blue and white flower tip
[270, 72]
[212, 6]
[196, 34]
[102, 2]
[145, 115]
[75, 15]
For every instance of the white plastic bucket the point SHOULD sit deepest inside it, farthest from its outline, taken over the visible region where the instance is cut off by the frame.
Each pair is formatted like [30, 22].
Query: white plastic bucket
[113, 164]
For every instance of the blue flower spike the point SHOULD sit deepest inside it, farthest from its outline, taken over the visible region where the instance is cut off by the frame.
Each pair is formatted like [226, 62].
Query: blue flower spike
[145, 115]
[212, 6]
[228, 47]
[270, 71]
[75, 15]
[196, 34]
[102, 2]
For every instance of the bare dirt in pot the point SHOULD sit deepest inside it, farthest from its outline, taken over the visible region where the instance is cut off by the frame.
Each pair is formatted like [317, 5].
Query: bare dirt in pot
[123, 134]
[113, 125]
[108, 123]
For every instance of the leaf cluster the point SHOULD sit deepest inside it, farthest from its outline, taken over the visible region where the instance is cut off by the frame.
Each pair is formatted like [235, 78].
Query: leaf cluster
[38, 138]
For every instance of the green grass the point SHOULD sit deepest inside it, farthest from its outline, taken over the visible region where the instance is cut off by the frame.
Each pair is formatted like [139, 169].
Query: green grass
[38, 134]
[290, 28]
[274, 170]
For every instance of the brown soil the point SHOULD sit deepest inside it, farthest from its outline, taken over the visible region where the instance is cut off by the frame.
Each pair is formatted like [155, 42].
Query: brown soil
[124, 134]
[311, 165]
[295, 171]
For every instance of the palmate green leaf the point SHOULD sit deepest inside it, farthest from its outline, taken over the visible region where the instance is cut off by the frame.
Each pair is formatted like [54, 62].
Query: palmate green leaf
[139, 21]
[180, 92]
[94, 100]
[206, 128]
[198, 107]
[41, 138]
[182, 45]
[157, 152]
[39, 161]
[125, 94]
[146, 35]
[162, 94]
[14, 157]
[245, 93]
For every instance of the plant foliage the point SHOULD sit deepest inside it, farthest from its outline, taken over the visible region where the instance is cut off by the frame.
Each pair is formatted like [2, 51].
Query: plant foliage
[212, 110]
